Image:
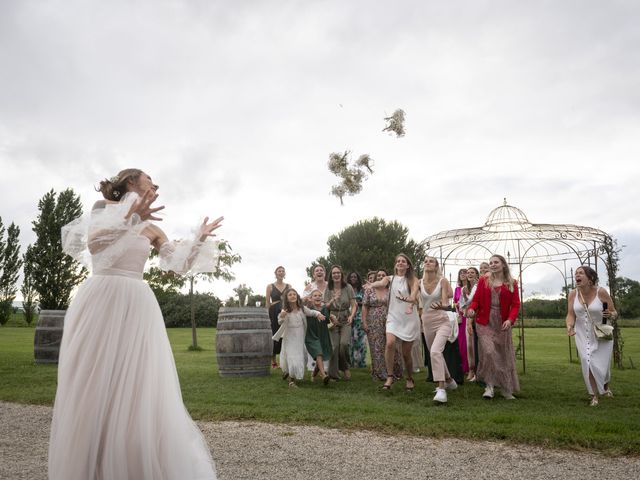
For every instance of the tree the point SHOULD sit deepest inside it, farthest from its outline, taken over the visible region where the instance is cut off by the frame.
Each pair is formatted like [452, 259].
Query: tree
[242, 291]
[55, 274]
[628, 304]
[177, 309]
[167, 285]
[612, 257]
[226, 259]
[542, 308]
[254, 299]
[161, 281]
[29, 295]
[10, 263]
[370, 245]
[231, 302]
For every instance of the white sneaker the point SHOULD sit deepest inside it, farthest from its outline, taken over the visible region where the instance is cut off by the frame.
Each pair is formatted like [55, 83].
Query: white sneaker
[441, 395]
[488, 392]
[451, 384]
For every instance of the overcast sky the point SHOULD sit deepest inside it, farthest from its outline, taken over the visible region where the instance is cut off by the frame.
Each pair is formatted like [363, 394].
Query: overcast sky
[234, 107]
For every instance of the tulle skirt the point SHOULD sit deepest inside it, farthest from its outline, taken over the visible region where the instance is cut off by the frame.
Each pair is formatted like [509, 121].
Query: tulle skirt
[118, 412]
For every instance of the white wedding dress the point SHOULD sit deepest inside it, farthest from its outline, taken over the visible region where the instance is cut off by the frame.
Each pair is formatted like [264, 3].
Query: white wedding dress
[118, 412]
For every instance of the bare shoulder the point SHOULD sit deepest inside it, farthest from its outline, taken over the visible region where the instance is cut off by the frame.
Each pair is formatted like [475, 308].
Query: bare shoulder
[603, 294]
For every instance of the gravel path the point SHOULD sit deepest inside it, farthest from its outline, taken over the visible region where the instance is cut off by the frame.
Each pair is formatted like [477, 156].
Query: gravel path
[251, 450]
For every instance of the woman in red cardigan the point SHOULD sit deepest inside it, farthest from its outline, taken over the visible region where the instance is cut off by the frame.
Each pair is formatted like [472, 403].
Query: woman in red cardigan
[495, 307]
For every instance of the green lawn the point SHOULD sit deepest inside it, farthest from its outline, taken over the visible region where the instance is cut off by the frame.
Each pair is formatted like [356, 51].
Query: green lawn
[552, 409]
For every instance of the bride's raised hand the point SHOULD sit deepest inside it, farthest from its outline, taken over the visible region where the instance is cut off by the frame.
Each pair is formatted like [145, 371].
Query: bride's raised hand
[142, 207]
[206, 229]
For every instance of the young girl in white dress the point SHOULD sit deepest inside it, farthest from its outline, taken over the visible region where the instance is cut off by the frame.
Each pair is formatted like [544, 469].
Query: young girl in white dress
[292, 331]
[118, 412]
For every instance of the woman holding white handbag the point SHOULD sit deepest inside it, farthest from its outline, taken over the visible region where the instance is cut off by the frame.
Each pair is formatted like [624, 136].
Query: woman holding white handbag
[589, 308]
[436, 293]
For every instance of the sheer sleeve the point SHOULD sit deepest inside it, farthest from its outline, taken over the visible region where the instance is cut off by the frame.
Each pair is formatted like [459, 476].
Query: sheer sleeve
[189, 256]
[99, 239]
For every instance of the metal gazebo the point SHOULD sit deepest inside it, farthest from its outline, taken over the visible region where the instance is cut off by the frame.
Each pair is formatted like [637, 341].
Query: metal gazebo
[509, 233]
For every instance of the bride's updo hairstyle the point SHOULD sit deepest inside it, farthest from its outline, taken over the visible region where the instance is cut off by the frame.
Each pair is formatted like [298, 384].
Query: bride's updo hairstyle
[115, 187]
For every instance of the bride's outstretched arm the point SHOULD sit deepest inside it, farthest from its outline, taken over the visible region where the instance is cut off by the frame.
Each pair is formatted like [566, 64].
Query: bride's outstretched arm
[195, 256]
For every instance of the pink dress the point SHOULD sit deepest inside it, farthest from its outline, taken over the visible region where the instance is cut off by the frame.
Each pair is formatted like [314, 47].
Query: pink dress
[462, 338]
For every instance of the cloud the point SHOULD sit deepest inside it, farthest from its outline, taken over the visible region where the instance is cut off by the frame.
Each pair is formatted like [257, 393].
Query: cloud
[234, 109]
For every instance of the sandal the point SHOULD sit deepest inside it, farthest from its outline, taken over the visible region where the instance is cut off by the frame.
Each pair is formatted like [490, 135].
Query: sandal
[314, 374]
[285, 375]
[292, 384]
[408, 388]
[594, 401]
[326, 379]
[608, 393]
[387, 386]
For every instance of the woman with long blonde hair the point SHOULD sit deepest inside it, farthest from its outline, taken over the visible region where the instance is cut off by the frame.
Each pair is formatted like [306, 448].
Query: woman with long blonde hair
[495, 307]
[435, 293]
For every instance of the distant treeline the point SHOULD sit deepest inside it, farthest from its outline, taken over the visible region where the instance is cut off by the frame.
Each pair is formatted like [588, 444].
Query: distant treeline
[627, 303]
[539, 308]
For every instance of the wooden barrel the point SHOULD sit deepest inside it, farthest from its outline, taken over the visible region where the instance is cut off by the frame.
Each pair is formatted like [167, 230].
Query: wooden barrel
[243, 342]
[46, 343]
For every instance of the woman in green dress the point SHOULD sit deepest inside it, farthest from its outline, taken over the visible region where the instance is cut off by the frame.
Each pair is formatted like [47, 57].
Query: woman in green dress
[317, 339]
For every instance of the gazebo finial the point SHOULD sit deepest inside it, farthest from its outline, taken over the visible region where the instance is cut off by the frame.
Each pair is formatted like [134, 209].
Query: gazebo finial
[505, 201]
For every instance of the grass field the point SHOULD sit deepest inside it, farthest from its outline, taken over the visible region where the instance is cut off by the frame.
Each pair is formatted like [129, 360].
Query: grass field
[552, 408]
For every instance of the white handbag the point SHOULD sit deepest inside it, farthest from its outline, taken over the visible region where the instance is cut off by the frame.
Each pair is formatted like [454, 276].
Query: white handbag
[453, 319]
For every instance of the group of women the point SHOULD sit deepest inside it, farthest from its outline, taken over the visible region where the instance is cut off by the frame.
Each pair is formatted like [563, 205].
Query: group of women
[398, 312]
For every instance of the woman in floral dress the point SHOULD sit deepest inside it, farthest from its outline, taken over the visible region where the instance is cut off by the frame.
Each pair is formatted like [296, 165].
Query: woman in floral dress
[374, 319]
[358, 335]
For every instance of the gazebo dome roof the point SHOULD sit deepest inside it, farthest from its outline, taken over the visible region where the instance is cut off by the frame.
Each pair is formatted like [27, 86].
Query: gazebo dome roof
[506, 218]
[508, 232]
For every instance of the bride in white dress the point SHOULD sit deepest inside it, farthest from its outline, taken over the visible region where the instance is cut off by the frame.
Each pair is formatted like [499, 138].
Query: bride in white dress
[118, 412]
